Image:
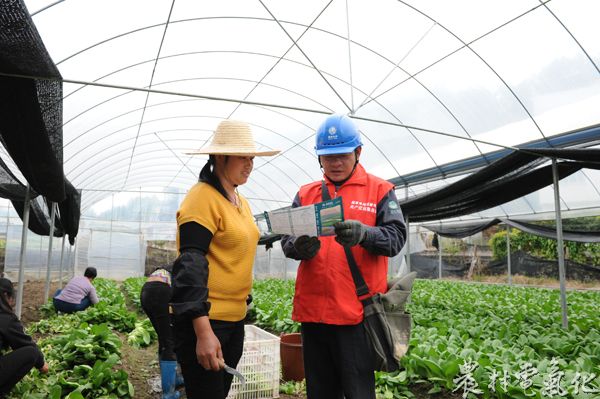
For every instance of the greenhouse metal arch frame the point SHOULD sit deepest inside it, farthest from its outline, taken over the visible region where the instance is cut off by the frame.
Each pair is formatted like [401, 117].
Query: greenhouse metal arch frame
[371, 119]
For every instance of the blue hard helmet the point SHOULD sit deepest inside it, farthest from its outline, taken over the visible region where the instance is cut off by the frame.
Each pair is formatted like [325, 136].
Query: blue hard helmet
[337, 135]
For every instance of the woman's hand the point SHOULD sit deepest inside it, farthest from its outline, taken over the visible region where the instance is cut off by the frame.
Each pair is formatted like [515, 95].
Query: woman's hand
[44, 369]
[208, 346]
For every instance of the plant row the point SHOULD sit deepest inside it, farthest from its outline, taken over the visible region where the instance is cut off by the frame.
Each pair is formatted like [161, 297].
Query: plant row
[480, 341]
[83, 351]
[504, 342]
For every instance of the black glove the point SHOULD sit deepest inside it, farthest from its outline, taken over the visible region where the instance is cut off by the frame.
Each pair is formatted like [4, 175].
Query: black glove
[350, 232]
[307, 247]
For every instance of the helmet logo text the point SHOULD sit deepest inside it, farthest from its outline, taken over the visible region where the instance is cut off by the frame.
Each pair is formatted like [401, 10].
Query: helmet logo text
[332, 133]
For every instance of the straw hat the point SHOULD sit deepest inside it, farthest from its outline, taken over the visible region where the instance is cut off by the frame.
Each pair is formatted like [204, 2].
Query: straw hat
[233, 138]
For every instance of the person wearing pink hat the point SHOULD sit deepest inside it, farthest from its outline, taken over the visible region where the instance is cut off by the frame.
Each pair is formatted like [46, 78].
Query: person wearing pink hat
[212, 277]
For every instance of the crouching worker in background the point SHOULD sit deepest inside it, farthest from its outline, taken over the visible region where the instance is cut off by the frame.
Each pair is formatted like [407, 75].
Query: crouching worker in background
[25, 354]
[155, 298]
[78, 294]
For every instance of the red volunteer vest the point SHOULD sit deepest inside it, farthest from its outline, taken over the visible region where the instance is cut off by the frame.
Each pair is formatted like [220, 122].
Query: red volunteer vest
[325, 291]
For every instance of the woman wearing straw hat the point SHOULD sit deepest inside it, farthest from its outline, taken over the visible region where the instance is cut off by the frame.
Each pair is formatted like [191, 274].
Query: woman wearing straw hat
[212, 276]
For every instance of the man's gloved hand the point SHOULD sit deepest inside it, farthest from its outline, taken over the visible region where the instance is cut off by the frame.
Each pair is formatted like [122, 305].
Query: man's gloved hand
[307, 247]
[350, 232]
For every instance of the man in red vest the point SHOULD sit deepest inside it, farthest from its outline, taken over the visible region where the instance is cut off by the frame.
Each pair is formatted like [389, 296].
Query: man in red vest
[337, 358]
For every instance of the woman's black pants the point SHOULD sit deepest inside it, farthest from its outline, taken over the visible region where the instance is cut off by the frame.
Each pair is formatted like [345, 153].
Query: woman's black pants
[201, 383]
[14, 366]
[155, 298]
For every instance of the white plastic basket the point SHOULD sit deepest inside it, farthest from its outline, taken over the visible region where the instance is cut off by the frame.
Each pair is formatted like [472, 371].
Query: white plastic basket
[259, 365]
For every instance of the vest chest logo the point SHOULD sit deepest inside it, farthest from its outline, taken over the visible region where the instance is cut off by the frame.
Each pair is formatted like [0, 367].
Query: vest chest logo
[364, 206]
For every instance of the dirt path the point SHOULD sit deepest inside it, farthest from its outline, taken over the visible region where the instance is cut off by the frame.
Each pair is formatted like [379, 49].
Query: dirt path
[142, 366]
[33, 298]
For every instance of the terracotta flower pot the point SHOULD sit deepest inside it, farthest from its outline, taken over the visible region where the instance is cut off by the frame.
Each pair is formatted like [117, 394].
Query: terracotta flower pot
[292, 361]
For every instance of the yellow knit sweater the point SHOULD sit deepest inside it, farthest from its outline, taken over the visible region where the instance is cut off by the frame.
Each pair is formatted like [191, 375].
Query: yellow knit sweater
[231, 252]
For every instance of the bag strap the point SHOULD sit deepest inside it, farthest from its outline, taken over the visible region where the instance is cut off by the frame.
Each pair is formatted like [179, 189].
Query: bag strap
[324, 191]
[361, 286]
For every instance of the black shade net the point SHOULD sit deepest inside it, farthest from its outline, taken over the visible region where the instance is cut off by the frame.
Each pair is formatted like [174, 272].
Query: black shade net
[461, 230]
[549, 232]
[507, 179]
[31, 123]
[10, 187]
[70, 211]
[525, 264]
[67, 216]
[39, 222]
[468, 229]
[521, 264]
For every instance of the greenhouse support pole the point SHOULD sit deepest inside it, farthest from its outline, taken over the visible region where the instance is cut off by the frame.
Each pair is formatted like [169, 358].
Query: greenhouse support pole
[74, 261]
[49, 261]
[3, 267]
[141, 239]
[508, 255]
[23, 253]
[68, 261]
[439, 248]
[439, 256]
[39, 276]
[7, 217]
[560, 246]
[408, 244]
[60, 269]
[112, 214]
[269, 265]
